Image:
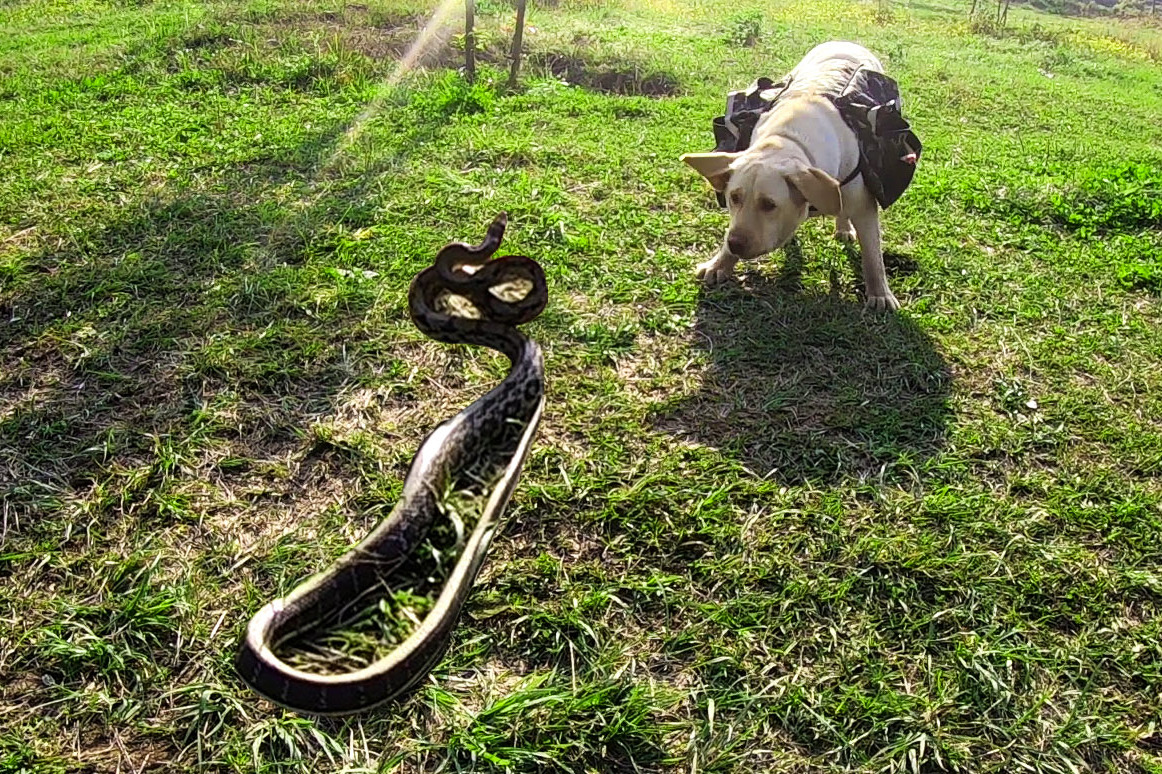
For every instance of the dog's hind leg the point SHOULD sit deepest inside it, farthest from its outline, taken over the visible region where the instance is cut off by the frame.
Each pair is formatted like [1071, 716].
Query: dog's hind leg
[844, 231]
[875, 279]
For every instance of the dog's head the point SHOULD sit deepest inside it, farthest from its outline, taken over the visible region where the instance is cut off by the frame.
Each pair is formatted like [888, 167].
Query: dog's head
[767, 196]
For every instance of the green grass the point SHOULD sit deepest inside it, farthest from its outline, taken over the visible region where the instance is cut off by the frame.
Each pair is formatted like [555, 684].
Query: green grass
[759, 530]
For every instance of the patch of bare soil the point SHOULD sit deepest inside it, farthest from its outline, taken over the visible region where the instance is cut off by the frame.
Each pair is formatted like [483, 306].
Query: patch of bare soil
[609, 77]
[375, 35]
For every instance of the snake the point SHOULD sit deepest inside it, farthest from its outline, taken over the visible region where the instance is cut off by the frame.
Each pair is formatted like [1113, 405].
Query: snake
[465, 297]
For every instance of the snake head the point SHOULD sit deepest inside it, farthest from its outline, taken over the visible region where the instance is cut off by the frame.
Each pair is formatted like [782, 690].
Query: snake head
[452, 260]
[509, 290]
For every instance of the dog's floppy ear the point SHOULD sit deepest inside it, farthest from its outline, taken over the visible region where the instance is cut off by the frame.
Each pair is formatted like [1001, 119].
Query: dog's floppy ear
[818, 188]
[715, 167]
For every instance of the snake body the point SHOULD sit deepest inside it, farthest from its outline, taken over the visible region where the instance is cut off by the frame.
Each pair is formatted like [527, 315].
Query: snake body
[480, 449]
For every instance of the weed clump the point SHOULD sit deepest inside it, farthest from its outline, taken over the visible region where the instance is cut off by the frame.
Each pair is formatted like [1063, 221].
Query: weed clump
[1143, 275]
[1121, 199]
[744, 29]
[452, 95]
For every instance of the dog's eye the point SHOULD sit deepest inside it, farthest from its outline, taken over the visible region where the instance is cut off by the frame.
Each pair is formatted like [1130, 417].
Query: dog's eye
[766, 205]
[736, 198]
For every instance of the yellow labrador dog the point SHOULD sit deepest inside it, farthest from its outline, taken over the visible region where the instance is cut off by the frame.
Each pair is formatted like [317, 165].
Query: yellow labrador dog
[799, 152]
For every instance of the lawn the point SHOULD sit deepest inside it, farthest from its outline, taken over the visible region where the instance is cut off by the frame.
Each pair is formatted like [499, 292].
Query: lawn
[759, 529]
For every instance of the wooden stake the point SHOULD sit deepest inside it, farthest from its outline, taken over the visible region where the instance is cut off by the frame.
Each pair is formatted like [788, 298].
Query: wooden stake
[470, 40]
[517, 39]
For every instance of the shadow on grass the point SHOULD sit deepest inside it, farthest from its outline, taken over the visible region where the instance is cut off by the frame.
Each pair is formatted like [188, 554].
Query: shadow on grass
[811, 387]
[177, 321]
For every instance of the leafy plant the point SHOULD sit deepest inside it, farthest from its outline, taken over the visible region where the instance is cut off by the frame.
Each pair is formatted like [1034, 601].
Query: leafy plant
[744, 28]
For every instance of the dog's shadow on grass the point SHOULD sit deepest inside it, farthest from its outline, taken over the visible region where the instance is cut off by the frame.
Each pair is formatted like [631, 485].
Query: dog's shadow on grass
[804, 386]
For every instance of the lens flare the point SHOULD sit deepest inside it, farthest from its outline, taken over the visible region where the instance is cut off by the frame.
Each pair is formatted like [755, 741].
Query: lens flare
[429, 36]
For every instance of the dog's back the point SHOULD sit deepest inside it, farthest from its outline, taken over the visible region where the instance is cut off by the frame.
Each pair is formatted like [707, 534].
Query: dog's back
[828, 67]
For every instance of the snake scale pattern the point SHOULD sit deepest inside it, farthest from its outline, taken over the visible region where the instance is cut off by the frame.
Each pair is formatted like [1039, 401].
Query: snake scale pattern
[480, 450]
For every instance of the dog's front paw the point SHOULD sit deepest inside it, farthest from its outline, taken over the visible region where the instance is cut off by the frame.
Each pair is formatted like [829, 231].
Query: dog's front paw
[714, 272]
[884, 302]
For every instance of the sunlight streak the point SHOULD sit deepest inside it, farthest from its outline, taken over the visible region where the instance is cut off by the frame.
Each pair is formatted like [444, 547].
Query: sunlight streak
[428, 36]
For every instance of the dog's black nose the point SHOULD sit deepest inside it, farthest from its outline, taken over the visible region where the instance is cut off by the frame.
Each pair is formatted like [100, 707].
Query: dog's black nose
[736, 244]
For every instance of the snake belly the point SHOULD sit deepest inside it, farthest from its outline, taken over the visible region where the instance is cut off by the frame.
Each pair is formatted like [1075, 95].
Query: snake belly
[482, 448]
